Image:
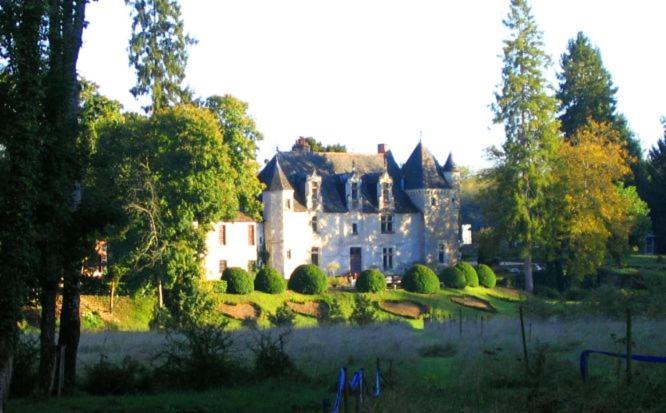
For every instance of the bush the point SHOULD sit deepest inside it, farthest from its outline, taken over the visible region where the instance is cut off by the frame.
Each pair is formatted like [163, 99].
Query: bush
[363, 312]
[270, 281]
[238, 281]
[487, 277]
[453, 277]
[271, 359]
[106, 378]
[371, 281]
[549, 293]
[420, 279]
[471, 277]
[334, 314]
[308, 279]
[284, 316]
[575, 294]
[219, 286]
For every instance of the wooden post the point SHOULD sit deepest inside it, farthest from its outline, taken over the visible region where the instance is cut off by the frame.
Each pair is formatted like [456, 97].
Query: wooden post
[628, 346]
[522, 333]
[345, 394]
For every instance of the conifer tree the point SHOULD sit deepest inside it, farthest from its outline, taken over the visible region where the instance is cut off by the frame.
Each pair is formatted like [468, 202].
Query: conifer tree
[523, 165]
[656, 190]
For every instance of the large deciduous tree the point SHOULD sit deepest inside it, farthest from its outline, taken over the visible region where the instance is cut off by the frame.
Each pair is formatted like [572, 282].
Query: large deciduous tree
[158, 52]
[523, 169]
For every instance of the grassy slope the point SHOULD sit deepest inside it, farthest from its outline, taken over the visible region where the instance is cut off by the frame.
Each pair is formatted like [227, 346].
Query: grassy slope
[129, 314]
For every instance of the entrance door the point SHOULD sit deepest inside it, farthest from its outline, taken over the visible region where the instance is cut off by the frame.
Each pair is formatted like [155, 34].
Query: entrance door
[355, 260]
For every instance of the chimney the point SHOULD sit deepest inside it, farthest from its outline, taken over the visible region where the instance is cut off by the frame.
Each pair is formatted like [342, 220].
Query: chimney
[382, 148]
[301, 145]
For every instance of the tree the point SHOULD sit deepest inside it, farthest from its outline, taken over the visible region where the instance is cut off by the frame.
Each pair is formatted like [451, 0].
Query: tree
[523, 169]
[158, 52]
[240, 135]
[656, 190]
[316, 146]
[586, 90]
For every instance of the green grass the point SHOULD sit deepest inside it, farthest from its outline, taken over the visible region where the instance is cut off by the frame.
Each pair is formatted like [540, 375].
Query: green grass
[129, 313]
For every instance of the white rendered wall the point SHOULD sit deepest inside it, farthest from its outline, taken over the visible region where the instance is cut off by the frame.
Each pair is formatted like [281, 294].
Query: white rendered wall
[237, 251]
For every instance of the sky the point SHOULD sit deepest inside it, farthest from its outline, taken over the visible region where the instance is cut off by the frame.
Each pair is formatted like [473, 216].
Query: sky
[363, 72]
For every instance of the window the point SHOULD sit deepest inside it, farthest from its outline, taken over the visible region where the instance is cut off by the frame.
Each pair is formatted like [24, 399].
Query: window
[222, 266]
[433, 201]
[288, 204]
[387, 224]
[387, 258]
[314, 256]
[354, 194]
[250, 234]
[288, 254]
[223, 235]
[315, 194]
[251, 265]
[315, 225]
[354, 228]
[442, 253]
[386, 192]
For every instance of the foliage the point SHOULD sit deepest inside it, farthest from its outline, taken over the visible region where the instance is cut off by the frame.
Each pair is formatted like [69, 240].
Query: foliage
[219, 286]
[363, 311]
[586, 91]
[284, 316]
[420, 279]
[107, 378]
[453, 277]
[271, 359]
[158, 52]
[371, 281]
[308, 279]
[316, 146]
[487, 277]
[24, 375]
[334, 314]
[655, 190]
[471, 277]
[521, 175]
[238, 281]
[270, 281]
[488, 245]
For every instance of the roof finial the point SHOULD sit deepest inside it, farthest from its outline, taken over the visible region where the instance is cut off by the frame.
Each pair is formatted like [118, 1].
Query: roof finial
[420, 136]
[353, 165]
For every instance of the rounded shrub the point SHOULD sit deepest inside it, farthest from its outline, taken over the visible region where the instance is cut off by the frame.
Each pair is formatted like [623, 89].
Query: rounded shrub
[471, 277]
[371, 281]
[308, 279]
[487, 276]
[270, 281]
[238, 281]
[420, 279]
[453, 277]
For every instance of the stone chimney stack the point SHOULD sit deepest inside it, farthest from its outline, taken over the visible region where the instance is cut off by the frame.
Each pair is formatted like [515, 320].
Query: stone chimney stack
[301, 145]
[382, 148]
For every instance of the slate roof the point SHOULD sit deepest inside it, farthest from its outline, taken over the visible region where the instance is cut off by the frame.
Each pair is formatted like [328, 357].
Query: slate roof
[290, 170]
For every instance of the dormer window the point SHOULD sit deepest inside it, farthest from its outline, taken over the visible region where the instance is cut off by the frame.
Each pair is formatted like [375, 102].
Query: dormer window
[313, 190]
[314, 194]
[386, 191]
[354, 195]
[315, 225]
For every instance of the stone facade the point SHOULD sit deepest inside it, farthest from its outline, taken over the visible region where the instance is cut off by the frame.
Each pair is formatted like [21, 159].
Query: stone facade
[231, 244]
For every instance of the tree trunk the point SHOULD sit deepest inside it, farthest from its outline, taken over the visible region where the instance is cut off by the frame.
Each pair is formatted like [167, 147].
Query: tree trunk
[529, 281]
[112, 296]
[47, 326]
[160, 294]
[7, 340]
[70, 326]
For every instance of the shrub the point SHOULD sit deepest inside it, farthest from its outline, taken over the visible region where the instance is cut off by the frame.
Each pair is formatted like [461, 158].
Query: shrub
[371, 281]
[219, 286]
[271, 360]
[270, 281]
[453, 277]
[238, 281]
[308, 279]
[575, 294]
[487, 277]
[549, 293]
[471, 277]
[106, 378]
[284, 316]
[420, 279]
[334, 314]
[363, 312]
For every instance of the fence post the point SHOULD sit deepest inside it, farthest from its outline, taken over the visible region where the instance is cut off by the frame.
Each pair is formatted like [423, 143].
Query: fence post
[628, 346]
[345, 397]
[522, 333]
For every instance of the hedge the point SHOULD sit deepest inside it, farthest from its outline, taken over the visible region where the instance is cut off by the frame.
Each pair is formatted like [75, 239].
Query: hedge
[371, 281]
[471, 277]
[238, 281]
[487, 277]
[308, 279]
[270, 281]
[420, 279]
[453, 277]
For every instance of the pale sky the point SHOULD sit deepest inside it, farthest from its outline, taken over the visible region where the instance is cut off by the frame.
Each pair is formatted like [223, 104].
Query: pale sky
[363, 72]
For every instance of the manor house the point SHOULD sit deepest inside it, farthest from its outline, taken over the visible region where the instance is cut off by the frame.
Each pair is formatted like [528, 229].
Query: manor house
[345, 213]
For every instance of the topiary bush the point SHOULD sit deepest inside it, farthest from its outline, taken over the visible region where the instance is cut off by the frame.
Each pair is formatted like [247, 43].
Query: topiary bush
[487, 277]
[371, 281]
[420, 279]
[308, 279]
[270, 281]
[453, 277]
[471, 277]
[238, 281]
